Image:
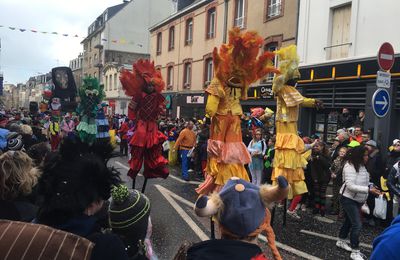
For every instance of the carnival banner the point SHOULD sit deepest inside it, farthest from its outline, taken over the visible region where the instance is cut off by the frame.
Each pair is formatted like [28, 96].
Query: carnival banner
[72, 35]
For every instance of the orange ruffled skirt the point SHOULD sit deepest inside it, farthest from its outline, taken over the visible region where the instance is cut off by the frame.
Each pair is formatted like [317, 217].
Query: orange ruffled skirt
[227, 154]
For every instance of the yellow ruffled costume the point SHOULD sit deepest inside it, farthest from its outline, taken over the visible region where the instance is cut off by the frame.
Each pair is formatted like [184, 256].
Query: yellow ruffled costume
[236, 67]
[289, 147]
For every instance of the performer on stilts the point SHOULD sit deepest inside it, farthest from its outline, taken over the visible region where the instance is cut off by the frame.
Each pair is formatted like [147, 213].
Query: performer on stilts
[288, 160]
[236, 66]
[91, 94]
[144, 84]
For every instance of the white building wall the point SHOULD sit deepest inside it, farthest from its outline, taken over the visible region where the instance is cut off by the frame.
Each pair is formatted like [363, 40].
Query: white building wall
[131, 25]
[372, 23]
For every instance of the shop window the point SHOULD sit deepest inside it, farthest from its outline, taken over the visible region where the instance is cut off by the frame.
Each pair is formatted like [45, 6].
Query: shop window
[271, 47]
[189, 31]
[171, 40]
[274, 8]
[170, 77]
[209, 71]
[159, 43]
[239, 13]
[115, 81]
[340, 33]
[211, 23]
[187, 75]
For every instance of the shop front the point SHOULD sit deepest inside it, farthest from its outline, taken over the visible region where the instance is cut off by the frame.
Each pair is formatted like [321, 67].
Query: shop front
[351, 85]
[259, 96]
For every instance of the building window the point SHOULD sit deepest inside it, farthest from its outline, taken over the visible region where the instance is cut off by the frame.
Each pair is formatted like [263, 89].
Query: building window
[187, 75]
[170, 77]
[271, 47]
[115, 81]
[340, 33]
[274, 8]
[171, 41]
[211, 21]
[90, 61]
[95, 75]
[106, 83]
[209, 71]
[159, 43]
[239, 13]
[189, 31]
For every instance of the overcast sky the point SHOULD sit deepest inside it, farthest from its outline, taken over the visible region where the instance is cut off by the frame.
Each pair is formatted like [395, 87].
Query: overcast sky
[25, 54]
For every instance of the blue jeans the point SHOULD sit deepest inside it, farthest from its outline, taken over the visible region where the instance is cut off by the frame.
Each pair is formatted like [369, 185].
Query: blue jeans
[185, 163]
[352, 222]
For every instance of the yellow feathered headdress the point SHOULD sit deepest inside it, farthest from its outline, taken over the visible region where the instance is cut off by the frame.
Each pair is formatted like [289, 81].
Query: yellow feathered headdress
[288, 66]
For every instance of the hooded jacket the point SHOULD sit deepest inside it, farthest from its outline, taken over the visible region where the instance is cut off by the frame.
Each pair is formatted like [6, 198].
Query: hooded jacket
[393, 181]
[386, 245]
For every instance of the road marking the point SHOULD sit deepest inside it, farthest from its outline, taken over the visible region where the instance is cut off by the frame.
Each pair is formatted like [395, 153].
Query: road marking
[290, 249]
[170, 175]
[170, 196]
[125, 167]
[329, 237]
[182, 181]
[324, 219]
[196, 229]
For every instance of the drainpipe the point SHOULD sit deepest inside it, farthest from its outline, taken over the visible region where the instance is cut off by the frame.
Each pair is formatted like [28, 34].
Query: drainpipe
[297, 22]
[225, 20]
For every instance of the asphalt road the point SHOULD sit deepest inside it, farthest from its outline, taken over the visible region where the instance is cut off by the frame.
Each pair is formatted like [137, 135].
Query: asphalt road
[174, 222]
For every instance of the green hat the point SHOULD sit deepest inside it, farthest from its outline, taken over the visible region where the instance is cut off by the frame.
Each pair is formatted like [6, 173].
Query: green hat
[129, 217]
[353, 144]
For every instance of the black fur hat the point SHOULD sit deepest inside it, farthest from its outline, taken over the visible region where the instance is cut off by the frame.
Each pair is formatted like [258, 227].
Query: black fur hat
[73, 179]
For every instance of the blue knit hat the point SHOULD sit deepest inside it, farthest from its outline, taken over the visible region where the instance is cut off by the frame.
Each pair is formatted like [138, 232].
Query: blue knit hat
[241, 206]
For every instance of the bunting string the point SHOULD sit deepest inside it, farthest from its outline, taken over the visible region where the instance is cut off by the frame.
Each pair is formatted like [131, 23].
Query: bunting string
[22, 30]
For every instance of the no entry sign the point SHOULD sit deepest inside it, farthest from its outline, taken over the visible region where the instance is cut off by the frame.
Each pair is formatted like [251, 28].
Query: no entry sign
[386, 56]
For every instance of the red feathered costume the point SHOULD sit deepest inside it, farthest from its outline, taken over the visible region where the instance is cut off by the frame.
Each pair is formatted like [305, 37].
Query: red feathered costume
[144, 84]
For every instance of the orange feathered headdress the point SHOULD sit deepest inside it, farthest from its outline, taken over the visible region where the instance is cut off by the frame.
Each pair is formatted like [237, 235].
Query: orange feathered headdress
[239, 58]
[143, 73]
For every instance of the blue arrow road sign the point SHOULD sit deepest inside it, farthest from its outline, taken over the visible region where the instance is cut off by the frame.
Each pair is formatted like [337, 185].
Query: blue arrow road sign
[381, 102]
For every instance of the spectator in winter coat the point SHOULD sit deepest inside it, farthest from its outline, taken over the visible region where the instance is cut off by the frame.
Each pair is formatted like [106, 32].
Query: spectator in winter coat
[393, 156]
[337, 177]
[343, 138]
[393, 184]
[345, 120]
[320, 174]
[17, 179]
[375, 168]
[354, 192]
[123, 132]
[74, 187]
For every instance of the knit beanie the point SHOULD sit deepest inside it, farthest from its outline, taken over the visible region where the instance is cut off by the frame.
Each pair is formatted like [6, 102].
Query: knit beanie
[129, 216]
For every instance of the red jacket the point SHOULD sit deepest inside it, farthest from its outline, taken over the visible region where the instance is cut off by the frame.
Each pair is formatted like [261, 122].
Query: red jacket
[123, 130]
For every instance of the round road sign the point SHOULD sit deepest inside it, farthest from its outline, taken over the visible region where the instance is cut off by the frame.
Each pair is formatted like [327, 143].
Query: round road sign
[386, 56]
[381, 102]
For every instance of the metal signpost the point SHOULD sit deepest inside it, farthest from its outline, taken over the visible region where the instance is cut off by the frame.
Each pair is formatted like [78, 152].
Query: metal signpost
[381, 102]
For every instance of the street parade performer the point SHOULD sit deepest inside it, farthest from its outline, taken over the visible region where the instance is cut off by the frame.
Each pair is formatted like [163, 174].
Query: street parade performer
[236, 67]
[91, 94]
[241, 210]
[144, 84]
[288, 160]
